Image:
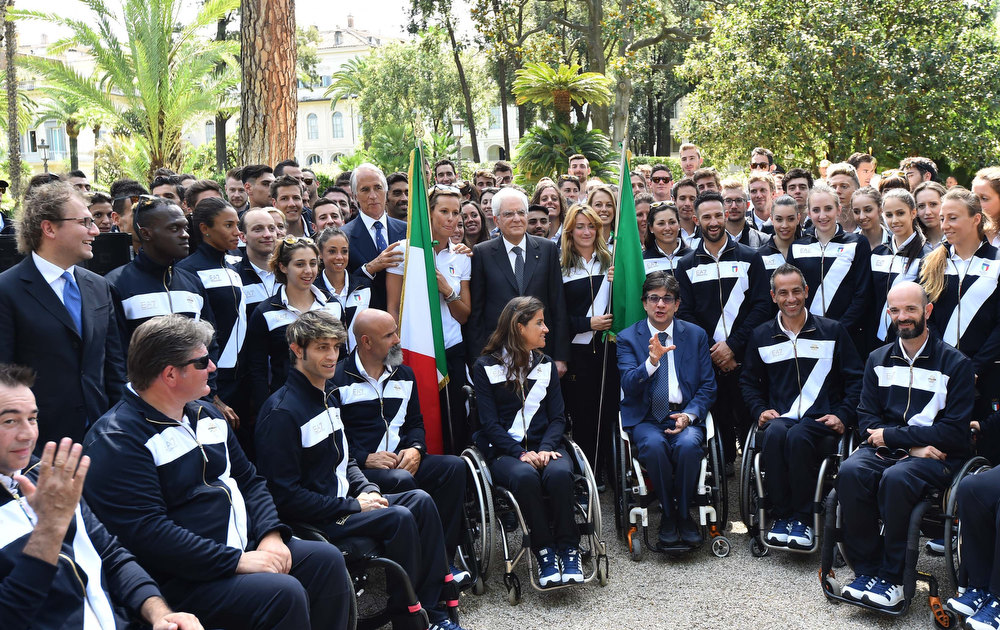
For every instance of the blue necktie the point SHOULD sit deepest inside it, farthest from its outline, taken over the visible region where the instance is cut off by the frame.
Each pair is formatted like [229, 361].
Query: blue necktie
[661, 385]
[380, 243]
[71, 298]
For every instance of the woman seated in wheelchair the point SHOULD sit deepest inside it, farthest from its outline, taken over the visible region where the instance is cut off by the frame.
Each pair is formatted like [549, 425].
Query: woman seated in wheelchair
[521, 432]
[669, 386]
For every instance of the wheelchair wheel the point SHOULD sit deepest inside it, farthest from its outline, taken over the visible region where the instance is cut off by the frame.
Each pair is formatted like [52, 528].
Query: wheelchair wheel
[720, 486]
[721, 546]
[748, 484]
[757, 548]
[513, 584]
[635, 547]
[623, 488]
[952, 526]
[619, 482]
[479, 511]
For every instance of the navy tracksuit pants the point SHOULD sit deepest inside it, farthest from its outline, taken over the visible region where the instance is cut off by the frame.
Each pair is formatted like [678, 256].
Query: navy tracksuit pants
[791, 452]
[869, 486]
[979, 512]
[672, 461]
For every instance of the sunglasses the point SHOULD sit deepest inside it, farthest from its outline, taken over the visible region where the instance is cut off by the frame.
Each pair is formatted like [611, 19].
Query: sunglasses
[446, 188]
[308, 181]
[661, 180]
[294, 240]
[759, 165]
[891, 454]
[201, 363]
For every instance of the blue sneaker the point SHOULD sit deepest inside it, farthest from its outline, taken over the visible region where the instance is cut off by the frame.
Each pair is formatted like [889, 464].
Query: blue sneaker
[779, 532]
[460, 576]
[988, 617]
[884, 594]
[800, 536]
[548, 568]
[856, 589]
[569, 564]
[968, 603]
[445, 624]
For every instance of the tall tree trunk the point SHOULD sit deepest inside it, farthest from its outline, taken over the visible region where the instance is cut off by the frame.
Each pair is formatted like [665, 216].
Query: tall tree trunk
[470, 119]
[502, 82]
[221, 157]
[599, 116]
[97, 134]
[269, 98]
[74, 148]
[13, 130]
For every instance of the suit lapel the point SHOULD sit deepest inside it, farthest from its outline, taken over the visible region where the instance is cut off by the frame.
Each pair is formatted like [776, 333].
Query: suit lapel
[503, 260]
[88, 298]
[362, 241]
[39, 289]
[397, 230]
[531, 259]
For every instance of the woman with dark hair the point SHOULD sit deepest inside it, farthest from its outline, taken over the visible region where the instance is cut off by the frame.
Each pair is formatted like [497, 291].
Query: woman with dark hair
[475, 224]
[295, 264]
[591, 384]
[218, 225]
[664, 245]
[896, 261]
[785, 221]
[454, 273]
[960, 277]
[928, 195]
[866, 203]
[547, 194]
[352, 290]
[521, 416]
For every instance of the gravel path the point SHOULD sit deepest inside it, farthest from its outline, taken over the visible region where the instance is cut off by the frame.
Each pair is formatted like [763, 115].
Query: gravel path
[699, 590]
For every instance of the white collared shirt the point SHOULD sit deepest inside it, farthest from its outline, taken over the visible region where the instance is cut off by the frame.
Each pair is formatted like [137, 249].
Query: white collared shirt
[342, 295]
[52, 273]
[370, 226]
[379, 383]
[319, 300]
[919, 352]
[781, 324]
[511, 255]
[675, 389]
[892, 242]
[14, 490]
[266, 278]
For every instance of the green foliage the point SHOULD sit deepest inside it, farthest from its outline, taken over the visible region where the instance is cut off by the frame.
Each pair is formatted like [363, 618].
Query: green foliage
[544, 152]
[120, 156]
[559, 87]
[440, 145]
[391, 147]
[672, 163]
[152, 76]
[351, 162]
[348, 81]
[200, 160]
[814, 79]
[307, 61]
[25, 109]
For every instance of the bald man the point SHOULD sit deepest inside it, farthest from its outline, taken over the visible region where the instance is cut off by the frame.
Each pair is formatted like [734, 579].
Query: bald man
[384, 426]
[916, 405]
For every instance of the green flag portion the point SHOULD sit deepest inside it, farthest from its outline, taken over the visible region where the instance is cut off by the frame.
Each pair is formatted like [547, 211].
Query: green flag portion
[630, 273]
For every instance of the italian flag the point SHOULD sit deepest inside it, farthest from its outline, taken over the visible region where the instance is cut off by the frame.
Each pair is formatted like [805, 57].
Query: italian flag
[420, 331]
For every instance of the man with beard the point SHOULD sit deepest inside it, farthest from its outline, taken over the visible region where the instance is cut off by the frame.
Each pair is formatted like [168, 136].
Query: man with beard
[398, 198]
[384, 426]
[538, 221]
[723, 289]
[737, 226]
[684, 193]
[916, 404]
[801, 382]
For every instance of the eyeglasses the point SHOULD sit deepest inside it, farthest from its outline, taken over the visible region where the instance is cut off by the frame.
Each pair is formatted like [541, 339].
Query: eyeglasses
[655, 299]
[86, 222]
[732, 201]
[509, 214]
[294, 240]
[201, 363]
[662, 180]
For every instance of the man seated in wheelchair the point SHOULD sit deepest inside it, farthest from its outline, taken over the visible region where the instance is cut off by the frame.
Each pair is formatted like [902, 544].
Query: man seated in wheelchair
[303, 454]
[916, 404]
[801, 381]
[669, 386]
[979, 514]
[385, 429]
[521, 434]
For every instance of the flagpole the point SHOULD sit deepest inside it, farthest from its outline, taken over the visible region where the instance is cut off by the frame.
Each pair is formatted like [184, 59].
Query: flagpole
[611, 288]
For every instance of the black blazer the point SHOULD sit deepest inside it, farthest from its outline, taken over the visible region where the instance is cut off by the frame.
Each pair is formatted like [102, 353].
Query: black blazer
[363, 250]
[493, 286]
[78, 378]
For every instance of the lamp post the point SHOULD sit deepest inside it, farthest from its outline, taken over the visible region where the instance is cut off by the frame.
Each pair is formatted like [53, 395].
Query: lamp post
[457, 125]
[44, 146]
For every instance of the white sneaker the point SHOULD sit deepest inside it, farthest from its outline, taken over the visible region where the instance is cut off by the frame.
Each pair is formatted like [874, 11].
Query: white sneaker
[800, 536]
[884, 594]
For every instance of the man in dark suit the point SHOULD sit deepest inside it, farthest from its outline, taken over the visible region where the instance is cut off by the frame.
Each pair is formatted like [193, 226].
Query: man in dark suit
[665, 406]
[58, 318]
[373, 236]
[517, 264]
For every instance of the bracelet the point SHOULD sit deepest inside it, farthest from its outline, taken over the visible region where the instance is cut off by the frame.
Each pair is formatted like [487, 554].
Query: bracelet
[453, 297]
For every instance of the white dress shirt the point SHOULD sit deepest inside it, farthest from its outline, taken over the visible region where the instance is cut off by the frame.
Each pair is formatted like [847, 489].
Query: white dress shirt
[511, 256]
[675, 389]
[52, 274]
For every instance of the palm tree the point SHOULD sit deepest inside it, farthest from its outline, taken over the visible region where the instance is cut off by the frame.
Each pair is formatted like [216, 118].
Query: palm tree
[560, 87]
[68, 113]
[153, 81]
[348, 81]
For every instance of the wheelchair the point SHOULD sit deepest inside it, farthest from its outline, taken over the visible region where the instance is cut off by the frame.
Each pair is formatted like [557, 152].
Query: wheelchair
[754, 504]
[370, 609]
[490, 505]
[633, 497]
[933, 517]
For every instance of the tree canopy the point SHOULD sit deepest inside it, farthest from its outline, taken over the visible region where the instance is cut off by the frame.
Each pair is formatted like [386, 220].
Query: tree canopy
[815, 79]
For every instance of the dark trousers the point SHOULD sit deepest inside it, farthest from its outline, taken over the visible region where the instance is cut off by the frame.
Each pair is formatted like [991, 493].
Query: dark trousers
[673, 462]
[582, 393]
[454, 419]
[410, 533]
[870, 486]
[315, 594]
[791, 452]
[730, 414]
[542, 495]
[442, 477]
[979, 512]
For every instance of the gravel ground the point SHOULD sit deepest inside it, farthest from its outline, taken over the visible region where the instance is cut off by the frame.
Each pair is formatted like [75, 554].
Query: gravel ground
[698, 590]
